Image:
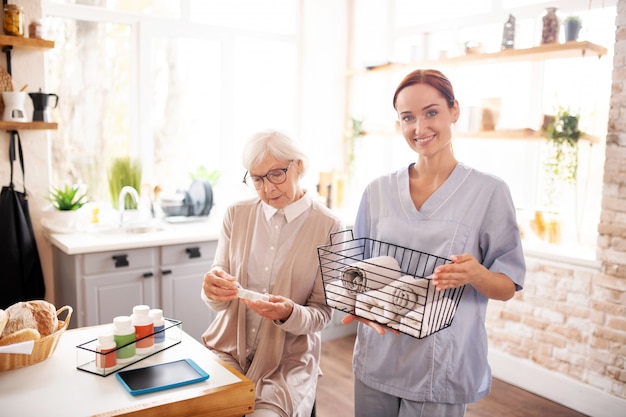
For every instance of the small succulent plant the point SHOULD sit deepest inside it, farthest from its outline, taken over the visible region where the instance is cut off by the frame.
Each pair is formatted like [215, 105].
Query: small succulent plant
[67, 198]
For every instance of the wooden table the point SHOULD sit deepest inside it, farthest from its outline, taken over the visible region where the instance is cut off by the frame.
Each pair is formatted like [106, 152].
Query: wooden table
[55, 387]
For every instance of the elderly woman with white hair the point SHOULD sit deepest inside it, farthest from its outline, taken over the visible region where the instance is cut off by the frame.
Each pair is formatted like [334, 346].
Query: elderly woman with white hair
[268, 244]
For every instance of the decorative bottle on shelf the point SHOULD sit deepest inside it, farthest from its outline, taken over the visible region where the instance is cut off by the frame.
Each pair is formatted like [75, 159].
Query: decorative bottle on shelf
[144, 329]
[13, 21]
[124, 336]
[508, 33]
[106, 357]
[159, 326]
[550, 28]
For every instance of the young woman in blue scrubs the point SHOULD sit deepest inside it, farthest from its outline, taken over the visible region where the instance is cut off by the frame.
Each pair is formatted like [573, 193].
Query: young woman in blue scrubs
[439, 206]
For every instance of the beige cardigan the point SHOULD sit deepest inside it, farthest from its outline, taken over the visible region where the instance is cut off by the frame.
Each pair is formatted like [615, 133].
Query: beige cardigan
[285, 367]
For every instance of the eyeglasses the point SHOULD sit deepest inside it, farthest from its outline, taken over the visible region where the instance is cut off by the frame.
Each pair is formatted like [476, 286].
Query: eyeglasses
[275, 176]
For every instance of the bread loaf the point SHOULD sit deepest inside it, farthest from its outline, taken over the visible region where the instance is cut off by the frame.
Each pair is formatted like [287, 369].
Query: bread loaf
[19, 336]
[4, 317]
[37, 314]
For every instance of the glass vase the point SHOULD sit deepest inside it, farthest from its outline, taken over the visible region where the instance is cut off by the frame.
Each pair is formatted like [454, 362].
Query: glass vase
[550, 26]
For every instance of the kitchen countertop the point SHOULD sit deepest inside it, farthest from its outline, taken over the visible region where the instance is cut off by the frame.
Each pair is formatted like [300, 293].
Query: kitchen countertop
[103, 239]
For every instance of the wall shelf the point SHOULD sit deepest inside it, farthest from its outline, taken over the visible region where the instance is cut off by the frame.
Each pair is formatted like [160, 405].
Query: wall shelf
[7, 44]
[521, 134]
[25, 43]
[9, 126]
[537, 53]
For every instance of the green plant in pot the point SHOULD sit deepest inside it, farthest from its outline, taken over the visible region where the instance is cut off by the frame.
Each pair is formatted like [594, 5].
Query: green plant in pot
[562, 134]
[561, 162]
[68, 198]
[124, 171]
[572, 25]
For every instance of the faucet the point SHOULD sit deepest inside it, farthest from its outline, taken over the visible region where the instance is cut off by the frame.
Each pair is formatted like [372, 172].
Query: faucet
[126, 190]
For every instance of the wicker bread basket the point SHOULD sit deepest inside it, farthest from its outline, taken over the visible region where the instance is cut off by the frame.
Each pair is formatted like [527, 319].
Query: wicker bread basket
[43, 349]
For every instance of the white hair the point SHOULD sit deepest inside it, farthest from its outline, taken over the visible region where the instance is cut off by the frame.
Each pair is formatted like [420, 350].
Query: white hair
[274, 143]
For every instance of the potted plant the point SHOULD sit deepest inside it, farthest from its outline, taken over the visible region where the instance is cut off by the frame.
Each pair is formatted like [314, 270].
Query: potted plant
[65, 201]
[572, 25]
[124, 171]
[68, 198]
[561, 164]
[562, 133]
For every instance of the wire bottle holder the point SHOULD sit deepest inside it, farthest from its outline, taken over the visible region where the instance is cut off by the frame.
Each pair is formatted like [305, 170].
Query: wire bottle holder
[386, 283]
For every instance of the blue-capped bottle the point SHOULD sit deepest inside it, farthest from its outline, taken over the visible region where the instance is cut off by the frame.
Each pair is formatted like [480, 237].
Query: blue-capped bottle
[156, 314]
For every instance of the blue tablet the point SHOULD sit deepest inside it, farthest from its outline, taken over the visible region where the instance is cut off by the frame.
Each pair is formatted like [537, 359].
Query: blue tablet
[162, 376]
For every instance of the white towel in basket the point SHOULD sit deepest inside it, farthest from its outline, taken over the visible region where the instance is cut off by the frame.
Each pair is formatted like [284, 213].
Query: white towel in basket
[370, 274]
[440, 311]
[394, 300]
[339, 297]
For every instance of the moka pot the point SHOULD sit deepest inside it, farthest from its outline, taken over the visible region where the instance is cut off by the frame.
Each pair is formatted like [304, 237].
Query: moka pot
[41, 104]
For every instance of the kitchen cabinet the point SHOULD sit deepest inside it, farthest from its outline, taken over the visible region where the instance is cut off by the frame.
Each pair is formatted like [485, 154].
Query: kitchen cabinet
[102, 285]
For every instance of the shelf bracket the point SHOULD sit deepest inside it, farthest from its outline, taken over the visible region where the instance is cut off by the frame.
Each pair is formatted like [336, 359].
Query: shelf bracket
[7, 50]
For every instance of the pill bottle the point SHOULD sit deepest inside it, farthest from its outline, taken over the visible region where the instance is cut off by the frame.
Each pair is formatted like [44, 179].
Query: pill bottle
[124, 336]
[13, 22]
[144, 329]
[159, 326]
[106, 357]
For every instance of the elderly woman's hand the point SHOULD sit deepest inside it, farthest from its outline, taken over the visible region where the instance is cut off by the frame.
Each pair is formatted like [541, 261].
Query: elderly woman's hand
[219, 285]
[276, 308]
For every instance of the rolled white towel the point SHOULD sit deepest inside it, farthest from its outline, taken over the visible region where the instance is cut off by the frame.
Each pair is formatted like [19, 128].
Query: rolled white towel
[370, 274]
[370, 307]
[364, 310]
[396, 299]
[405, 294]
[339, 297]
[432, 318]
[411, 324]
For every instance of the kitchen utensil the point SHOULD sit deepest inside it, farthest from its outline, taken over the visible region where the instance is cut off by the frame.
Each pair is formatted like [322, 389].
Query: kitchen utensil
[201, 195]
[41, 105]
[14, 106]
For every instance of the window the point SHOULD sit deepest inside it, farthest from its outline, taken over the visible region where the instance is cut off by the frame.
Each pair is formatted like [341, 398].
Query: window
[525, 92]
[178, 85]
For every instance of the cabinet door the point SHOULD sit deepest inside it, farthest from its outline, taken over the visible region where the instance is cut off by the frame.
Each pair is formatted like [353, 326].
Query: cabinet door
[114, 282]
[181, 286]
[182, 271]
[111, 295]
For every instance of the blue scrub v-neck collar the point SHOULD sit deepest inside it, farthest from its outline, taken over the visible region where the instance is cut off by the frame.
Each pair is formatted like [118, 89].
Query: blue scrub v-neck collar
[437, 198]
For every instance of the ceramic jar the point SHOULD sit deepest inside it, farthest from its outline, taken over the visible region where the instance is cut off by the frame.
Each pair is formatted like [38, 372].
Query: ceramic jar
[550, 27]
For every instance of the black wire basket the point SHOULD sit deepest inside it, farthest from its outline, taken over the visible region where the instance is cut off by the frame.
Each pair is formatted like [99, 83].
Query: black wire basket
[386, 283]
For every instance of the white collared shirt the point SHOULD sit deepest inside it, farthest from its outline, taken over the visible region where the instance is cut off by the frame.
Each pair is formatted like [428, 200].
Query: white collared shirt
[275, 232]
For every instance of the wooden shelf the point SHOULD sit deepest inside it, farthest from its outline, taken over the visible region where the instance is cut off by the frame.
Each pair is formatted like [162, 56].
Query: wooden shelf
[28, 43]
[522, 134]
[538, 53]
[28, 125]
